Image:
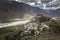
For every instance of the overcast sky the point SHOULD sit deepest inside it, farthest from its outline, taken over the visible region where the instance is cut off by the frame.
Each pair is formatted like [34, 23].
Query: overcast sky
[50, 3]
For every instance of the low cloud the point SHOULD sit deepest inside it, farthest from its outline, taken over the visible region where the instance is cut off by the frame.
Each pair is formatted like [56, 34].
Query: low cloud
[55, 4]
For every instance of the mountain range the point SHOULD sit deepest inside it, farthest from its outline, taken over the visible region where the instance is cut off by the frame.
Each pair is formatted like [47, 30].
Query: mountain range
[54, 13]
[13, 9]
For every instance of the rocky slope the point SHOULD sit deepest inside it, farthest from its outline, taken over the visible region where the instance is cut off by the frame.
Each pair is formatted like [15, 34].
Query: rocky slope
[39, 26]
[36, 28]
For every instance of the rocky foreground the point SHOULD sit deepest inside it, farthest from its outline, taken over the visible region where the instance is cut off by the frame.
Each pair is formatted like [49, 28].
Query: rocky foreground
[39, 28]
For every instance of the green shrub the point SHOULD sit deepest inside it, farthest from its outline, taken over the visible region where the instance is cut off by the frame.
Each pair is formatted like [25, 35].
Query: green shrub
[55, 27]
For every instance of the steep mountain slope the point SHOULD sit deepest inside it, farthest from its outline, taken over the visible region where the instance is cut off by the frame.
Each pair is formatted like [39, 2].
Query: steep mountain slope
[54, 13]
[57, 12]
[13, 9]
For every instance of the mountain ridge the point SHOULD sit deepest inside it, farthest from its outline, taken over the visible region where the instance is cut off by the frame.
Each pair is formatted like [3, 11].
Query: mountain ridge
[13, 9]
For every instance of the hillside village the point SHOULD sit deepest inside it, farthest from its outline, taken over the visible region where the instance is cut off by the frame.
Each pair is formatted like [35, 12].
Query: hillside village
[39, 25]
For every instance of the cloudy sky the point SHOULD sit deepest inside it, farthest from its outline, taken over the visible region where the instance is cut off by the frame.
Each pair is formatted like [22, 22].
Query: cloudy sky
[55, 4]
